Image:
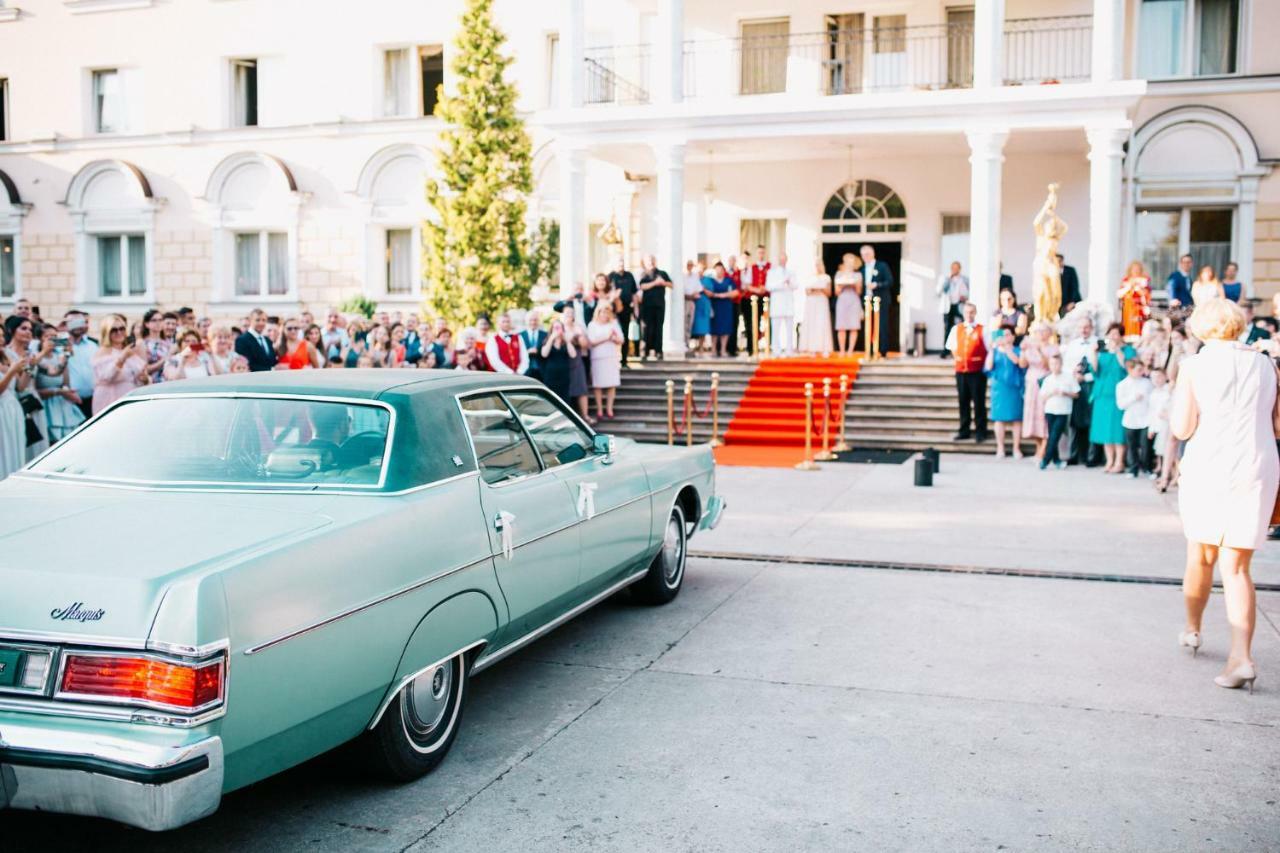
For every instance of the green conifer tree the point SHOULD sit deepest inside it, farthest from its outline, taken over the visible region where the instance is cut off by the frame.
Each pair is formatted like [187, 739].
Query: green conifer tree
[476, 252]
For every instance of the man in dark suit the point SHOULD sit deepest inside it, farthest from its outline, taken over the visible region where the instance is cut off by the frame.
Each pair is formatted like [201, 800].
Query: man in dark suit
[254, 345]
[625, 283]
[1180, 284]
[878, 279]
[1070, 285]
[534, 336]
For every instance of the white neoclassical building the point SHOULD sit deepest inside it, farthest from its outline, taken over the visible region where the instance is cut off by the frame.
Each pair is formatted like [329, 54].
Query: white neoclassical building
[228, 153]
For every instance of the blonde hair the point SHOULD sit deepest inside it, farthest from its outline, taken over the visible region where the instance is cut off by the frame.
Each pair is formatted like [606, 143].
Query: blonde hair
[107, 322]
[603, 314]
[1218, 319]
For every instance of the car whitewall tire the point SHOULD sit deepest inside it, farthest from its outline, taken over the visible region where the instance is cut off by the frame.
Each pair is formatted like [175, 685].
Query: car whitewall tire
[421, 722]
[666, 572]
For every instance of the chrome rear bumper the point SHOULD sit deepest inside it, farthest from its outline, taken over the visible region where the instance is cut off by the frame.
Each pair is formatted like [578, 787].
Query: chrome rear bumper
[144, 781]
[715, 511]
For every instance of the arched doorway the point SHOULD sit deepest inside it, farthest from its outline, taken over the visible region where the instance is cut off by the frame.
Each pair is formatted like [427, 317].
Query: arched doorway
[867, 212]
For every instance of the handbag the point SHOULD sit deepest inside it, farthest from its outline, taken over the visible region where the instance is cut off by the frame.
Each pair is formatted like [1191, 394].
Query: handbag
[30, 404]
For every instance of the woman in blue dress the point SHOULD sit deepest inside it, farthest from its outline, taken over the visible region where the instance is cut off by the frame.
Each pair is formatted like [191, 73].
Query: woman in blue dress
[1232, 287]
[1007, 371]
[719, 290]
[1106, 424]
[701, 326]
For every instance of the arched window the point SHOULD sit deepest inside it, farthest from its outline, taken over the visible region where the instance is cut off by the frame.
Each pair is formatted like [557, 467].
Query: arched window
[393, 187]
[113, 215]
[864, 207]
[11, 212]
[1204, 206]
[256, 203]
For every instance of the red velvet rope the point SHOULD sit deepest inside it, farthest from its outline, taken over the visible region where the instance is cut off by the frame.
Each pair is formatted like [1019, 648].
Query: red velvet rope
[693, 407]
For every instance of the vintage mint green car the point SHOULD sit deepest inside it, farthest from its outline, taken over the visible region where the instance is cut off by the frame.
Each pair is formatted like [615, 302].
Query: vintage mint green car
[217, 579]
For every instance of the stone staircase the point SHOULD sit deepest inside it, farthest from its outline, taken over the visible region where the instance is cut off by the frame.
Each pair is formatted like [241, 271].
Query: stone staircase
[641, 404]
[907, 404]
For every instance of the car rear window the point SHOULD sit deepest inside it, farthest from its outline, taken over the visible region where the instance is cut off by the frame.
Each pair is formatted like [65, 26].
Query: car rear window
[272, 442]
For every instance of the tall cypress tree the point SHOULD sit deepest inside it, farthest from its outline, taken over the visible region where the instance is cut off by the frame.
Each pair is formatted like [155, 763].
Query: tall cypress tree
[476, 252]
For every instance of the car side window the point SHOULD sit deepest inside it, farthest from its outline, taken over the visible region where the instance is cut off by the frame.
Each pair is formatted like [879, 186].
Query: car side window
[557, 437]
[502, 450]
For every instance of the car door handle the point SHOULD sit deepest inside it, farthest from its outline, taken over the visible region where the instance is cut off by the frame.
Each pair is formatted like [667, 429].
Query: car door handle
[504, 523]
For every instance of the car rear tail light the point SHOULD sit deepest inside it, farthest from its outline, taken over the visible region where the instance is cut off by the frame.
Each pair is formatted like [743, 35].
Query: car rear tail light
[149, 681]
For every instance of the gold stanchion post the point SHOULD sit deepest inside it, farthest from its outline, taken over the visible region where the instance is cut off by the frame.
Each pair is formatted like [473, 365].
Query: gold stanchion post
[671, 412]
[768, 329]
[688, 410]
[715, 410]
[754, 344]
[808, 464]
[842, 446]
[826, 455]
[866, 341]
[875, 310]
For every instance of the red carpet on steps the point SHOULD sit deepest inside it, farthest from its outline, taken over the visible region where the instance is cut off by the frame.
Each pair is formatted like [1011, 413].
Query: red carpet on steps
[769, 423]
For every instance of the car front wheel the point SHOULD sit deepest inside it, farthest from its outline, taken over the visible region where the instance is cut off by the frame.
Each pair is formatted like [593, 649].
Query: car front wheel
[666, 573]
[421, 722]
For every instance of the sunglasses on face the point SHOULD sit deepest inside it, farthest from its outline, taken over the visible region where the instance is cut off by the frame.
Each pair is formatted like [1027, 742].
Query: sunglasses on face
[291, 328]
[115, 329]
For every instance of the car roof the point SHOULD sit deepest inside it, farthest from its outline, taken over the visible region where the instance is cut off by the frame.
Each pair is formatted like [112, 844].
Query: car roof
[357, 383]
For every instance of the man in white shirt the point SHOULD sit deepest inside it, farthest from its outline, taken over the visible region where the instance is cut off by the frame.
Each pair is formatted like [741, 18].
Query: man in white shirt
[1074, 354]
[781, 284]
[334, 338]
[1133, 396]
[80, 351]
[953, 291]
[1059, 391]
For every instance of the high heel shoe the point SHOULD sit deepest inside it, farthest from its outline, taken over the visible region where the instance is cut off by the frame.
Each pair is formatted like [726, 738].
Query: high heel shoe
[1190, 638]
[1244, 674]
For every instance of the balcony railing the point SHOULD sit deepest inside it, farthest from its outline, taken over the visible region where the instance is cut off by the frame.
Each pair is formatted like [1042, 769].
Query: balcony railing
[617, 75]
[848, 61]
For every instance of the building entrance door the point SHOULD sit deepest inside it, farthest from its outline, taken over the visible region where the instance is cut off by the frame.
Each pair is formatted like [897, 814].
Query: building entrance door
[891, 254]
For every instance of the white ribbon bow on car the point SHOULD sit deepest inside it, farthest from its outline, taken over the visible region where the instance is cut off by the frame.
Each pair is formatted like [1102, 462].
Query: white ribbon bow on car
[587, 500]
[508, 533]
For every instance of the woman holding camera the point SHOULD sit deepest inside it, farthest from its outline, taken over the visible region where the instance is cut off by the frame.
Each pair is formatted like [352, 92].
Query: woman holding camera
[558, 353]
[118, 368]
[191, 361]
[21, 331]
[53, 386]
[14, 377]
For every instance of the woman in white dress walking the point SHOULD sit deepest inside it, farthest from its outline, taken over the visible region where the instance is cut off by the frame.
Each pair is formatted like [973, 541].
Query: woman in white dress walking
[815, 323]
[1225, 408]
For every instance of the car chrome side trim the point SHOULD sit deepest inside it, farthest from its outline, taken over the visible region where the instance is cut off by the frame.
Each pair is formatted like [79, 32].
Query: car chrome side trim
[493, 657]
[253, 650]
[410, 677]
[344, 492]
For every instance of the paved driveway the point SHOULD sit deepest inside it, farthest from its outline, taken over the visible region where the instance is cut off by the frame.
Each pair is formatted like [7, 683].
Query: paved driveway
[790, 707]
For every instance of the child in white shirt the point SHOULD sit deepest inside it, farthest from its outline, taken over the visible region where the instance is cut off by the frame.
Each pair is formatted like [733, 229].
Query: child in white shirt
[1133, 397]
[1158, 422]
[1058, 390]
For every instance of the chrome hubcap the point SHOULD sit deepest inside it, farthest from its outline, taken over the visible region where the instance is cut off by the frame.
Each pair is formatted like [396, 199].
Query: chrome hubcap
[672, 551]
[427, 699]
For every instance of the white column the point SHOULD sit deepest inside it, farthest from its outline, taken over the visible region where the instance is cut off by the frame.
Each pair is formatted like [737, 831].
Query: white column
[986, 178]
[1106, 161]
[573, 225]
[670, 157]
[1108, 38]
[988, 44]
[668, 53]
[1246, 220]
[571, 54]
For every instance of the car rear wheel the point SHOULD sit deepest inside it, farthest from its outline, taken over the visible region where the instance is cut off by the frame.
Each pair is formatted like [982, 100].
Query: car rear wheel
[666, 572]
[421, 722]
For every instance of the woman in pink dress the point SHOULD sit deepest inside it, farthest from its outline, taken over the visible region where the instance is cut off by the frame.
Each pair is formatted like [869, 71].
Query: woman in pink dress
[117, 367]
[1036, 349]
[1225, 408]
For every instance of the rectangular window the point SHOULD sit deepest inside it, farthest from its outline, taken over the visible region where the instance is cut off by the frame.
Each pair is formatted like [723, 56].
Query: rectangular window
[1157, 242]
[399, 261]
[262, 256]
[763, 64]
[959, 47]
[553, 70]
[122, 265]
[502, 449]
[890, 34]
[560, 441]
[109, 109]
[1219, 24]
[1162, 236]
[1209, 236]
[431, 65]
[770, 233]
[844, 55]
[1160, 31]
[4, 109]
[8, 268]
[395, 82]
[244, 81]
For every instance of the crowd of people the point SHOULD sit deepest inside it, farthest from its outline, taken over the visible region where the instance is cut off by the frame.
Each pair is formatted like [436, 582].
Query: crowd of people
[1098, 400]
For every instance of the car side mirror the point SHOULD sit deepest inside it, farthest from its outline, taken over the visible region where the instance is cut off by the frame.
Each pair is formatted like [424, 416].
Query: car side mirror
[604, 446]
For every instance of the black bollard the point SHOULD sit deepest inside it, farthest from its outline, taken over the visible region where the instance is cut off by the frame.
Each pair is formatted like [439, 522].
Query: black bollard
[924, 472]
[931, 453]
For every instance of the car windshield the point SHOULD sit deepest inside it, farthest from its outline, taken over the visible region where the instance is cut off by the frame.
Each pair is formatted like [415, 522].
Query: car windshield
[229, 441]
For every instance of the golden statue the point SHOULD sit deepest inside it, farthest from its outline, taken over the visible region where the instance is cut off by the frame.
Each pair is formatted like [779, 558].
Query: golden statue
[1046, 277]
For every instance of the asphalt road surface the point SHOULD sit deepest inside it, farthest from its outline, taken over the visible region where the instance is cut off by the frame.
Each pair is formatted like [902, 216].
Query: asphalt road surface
[804, 707]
